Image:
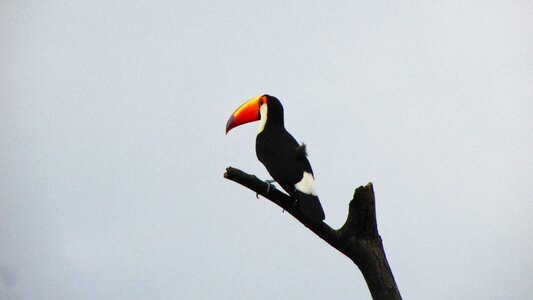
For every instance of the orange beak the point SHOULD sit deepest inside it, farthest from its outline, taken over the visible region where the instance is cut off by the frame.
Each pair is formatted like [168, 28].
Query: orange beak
[246, 113]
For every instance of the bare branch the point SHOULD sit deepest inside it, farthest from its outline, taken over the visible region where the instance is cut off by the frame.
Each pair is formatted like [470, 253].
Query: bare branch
[358, 238]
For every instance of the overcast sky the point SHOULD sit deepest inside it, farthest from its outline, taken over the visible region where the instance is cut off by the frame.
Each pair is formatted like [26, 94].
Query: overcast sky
[112, 146]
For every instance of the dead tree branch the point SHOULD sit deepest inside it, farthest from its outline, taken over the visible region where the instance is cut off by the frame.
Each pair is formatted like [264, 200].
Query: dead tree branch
[358, 238]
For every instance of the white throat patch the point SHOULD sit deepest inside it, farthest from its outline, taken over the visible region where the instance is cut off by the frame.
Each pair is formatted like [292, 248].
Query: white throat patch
[263, 110]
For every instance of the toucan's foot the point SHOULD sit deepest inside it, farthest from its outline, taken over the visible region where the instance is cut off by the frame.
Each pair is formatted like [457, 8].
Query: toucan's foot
[269, 184]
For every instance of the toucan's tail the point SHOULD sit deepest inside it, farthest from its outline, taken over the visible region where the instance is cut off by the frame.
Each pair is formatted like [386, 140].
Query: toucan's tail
[310, 206]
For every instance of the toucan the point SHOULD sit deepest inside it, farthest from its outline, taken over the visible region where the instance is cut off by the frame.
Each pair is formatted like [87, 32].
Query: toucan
[280, 153]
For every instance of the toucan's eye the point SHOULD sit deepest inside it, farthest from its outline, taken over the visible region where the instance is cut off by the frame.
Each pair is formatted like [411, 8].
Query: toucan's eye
[262, 100]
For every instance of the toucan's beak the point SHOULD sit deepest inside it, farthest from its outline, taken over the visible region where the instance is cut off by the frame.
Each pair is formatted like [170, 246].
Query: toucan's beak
[246, 113]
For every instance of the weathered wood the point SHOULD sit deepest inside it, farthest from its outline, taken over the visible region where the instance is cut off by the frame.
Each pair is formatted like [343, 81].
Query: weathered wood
[358, 238]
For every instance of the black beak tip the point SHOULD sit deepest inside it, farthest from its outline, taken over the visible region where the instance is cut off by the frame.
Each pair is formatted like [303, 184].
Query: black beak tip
[229, 123]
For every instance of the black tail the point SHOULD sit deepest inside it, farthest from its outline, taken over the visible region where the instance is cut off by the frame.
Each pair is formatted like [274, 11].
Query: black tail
[310, 206]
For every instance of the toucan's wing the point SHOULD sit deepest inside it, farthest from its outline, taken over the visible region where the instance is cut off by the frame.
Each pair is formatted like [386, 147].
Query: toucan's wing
[277, 150]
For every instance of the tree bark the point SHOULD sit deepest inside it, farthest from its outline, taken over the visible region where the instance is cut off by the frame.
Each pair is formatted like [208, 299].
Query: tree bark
[358, 238]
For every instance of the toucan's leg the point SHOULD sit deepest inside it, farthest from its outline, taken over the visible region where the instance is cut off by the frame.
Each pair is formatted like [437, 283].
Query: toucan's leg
[269, 186]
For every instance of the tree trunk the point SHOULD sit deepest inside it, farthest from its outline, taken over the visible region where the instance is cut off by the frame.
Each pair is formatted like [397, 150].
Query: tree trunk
[358, 238]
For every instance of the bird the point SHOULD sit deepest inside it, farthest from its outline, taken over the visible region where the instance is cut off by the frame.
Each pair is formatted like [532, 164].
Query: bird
[283, 157]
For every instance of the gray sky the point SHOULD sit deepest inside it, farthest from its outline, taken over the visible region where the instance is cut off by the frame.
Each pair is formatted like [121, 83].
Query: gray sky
[112, 146]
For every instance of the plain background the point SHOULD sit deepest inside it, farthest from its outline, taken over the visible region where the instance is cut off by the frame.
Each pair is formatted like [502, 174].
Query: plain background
[112, 146]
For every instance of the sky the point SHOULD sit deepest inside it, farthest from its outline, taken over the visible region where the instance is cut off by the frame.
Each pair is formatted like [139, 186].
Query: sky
[112, 146]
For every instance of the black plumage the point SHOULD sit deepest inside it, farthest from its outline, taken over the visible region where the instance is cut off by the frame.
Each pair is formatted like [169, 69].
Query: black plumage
[285, 159]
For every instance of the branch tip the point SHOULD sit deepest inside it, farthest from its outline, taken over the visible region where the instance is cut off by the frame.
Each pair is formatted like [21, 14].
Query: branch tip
[358, 238]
